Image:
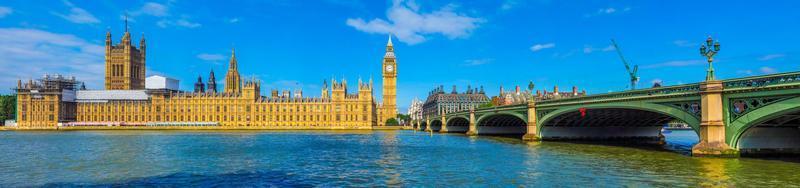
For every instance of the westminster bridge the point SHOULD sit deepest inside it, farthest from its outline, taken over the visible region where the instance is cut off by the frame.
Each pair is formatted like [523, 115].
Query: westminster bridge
[758, 114]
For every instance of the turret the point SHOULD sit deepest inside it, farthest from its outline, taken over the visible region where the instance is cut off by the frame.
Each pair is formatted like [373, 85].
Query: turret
[454, 90]
[555, 90]
[199, 87]
[574, 90]
[212, 83]
[142, 46]
[108, 41]
[324, 92]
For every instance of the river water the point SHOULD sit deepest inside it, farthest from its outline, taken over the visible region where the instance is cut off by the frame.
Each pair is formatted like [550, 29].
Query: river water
[363, 158]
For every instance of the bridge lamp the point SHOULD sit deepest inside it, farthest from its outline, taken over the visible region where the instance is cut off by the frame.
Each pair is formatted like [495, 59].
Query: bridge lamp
[708, 50]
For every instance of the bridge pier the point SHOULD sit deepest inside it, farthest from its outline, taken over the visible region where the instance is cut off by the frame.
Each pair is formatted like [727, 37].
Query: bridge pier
[428, 124]
[531, 133]
[712, 125]
[444, 124]
[473, 128]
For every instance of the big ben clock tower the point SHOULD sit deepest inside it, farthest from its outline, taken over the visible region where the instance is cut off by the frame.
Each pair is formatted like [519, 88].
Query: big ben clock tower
[389, 83]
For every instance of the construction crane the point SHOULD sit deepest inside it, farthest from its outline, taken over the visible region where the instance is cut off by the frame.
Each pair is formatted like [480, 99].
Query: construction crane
[633, 73]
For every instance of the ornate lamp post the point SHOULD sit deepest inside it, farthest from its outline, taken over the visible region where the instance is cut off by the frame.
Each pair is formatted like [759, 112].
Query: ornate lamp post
[709, 49]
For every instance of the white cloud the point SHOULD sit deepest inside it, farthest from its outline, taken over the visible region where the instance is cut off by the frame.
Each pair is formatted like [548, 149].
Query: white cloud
[508, 4]
[745, 72]
[476, 62]
[538, 47]
[152, 9]
[412, 27]
[211, 57]
[78, 15]
[5, 11]
[163, 11]
[683, 43]
[587, 49]
[771, 57]
[768, 70]
[606, 11]
[32, 53]
[233, 20]
[677, 63]
[183, 22]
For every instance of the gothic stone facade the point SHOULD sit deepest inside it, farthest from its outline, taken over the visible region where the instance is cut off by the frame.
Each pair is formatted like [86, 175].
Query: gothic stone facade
[127, 103]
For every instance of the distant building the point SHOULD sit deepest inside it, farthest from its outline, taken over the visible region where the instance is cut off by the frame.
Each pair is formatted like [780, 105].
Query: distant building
[199, 86]
[46, 101]
[440, 102]
[125, 64]
[157, 82]
[519, 97]
[415, 110]
[130, 99]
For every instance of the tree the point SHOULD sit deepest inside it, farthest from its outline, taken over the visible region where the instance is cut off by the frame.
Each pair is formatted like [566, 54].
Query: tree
[391, 122]
[8, 108]
[403, 118]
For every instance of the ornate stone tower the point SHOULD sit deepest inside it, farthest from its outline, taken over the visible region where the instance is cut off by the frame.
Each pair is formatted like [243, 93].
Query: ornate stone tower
[125, 64]
[199, 86]
[233, 83]
[212, 83]
[389, 83]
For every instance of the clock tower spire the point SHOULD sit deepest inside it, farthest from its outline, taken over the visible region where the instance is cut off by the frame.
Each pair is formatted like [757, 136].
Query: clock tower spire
[389, 109]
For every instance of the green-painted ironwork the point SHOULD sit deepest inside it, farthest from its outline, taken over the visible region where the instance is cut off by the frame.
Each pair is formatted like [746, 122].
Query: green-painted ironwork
[759, 99]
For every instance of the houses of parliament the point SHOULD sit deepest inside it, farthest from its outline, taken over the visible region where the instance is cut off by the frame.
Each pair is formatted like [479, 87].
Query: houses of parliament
[131, 99]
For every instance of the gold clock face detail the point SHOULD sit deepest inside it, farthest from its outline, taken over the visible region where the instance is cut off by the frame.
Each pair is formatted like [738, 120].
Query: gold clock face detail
[389, 68]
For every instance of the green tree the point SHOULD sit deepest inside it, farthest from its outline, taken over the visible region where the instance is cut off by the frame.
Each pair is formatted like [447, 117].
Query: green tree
[404, 117]
[8, 107]
[391, 122]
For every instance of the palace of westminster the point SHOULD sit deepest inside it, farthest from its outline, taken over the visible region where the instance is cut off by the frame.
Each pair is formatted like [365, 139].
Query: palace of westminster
[131, 99]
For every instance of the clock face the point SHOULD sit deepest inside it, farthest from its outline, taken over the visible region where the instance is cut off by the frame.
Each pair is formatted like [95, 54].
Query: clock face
[389, 68]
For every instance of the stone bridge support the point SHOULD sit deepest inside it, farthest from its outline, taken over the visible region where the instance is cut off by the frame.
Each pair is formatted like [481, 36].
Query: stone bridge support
[444, 124]
[473, 128]
[712, 125]
[532, 133]
[428, 124]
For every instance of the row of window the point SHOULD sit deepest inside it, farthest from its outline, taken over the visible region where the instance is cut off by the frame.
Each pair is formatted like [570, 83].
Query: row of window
[218, 108]
[222, 118]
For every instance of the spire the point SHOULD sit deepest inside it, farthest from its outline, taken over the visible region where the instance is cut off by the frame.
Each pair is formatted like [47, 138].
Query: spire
[212, 83]
[233, 62]
[390, 41]
[126, 22]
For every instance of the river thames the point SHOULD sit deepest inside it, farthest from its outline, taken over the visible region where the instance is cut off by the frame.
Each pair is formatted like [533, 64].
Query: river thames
[368, 158]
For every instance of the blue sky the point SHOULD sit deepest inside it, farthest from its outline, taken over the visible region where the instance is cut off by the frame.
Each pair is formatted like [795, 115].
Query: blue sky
[290, 44]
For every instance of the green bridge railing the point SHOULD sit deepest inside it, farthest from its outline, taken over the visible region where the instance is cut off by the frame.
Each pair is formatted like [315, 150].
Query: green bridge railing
[762, 81]
[687, 89]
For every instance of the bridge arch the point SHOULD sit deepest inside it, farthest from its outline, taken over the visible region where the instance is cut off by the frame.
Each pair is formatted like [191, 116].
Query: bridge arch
[774, 128]
[459, 124]
[502, 123]
[622, 120]
[435, 125]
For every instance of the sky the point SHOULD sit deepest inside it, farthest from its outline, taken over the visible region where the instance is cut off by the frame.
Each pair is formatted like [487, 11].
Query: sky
[291, 44]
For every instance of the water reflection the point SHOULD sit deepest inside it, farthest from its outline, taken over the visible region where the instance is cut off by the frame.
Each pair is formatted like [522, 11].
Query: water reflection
[390, 158]
[342, 159]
